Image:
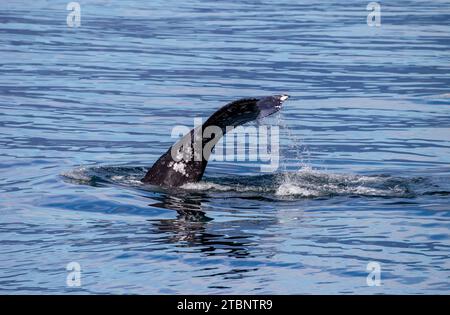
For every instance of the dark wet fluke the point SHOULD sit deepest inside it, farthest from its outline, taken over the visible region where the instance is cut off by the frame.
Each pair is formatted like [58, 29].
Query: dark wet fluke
[171, 171]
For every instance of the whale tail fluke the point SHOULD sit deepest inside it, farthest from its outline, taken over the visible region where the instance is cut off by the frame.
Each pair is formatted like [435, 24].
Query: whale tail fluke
[186, 160]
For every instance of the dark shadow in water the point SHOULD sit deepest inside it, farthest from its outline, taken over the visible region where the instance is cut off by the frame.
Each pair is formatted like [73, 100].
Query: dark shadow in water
[193, 228]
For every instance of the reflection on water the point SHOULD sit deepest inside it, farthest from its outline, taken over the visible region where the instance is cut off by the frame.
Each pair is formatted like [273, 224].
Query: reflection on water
[188, 204]
[193, 228]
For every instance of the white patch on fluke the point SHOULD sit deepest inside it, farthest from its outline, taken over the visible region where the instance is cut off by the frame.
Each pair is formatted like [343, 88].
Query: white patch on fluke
[179, 167]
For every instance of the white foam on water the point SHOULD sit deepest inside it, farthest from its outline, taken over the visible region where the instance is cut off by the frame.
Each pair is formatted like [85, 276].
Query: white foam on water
[78, 174]
[201, 186]
[127, 180]
[306, 182]
[288, 189]
[205, 186]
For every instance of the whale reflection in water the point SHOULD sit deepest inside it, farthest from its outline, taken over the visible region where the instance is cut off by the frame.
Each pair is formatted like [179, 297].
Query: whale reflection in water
[192, 228]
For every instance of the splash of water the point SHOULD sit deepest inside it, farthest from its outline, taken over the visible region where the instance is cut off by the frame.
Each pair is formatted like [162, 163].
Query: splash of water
[305, 183]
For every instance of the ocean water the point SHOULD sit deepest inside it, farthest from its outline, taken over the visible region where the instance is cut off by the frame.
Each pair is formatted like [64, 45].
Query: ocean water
[365, 148]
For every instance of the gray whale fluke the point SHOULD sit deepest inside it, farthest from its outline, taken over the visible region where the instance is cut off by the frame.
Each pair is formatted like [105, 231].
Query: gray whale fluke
[183, 164]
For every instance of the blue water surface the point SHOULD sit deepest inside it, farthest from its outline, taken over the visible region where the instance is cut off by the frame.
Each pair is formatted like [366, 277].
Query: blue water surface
[365, 147]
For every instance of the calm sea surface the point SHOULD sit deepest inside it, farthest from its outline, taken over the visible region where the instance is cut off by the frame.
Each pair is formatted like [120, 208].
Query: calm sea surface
[365, 147]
